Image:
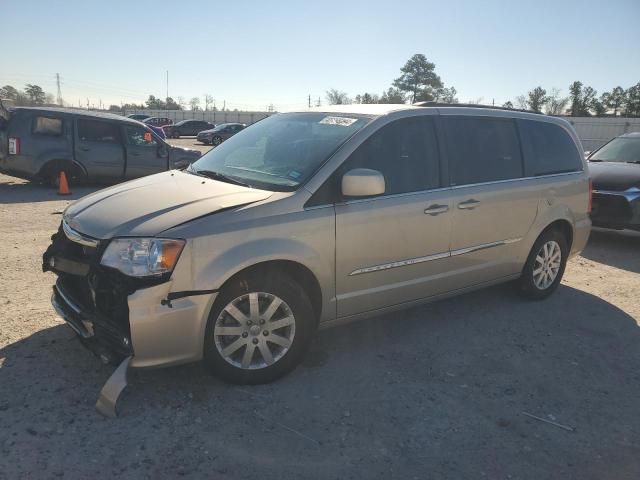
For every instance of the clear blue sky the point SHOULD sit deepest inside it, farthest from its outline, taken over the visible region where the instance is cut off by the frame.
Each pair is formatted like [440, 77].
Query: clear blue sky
[253, 53]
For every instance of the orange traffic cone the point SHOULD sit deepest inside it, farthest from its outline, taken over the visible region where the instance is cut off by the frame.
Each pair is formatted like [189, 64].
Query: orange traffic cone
[63, 188]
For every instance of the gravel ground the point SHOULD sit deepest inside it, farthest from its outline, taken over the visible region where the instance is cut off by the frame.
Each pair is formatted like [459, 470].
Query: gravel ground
[433, 392]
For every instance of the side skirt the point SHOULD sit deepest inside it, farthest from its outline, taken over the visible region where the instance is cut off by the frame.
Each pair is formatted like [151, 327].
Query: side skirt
[406, 305]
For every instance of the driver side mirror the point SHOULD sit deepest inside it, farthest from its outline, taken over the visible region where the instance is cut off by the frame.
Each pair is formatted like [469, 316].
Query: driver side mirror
[362, 182]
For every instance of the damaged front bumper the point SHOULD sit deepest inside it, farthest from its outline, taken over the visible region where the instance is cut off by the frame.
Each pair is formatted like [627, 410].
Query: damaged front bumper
[124, 321]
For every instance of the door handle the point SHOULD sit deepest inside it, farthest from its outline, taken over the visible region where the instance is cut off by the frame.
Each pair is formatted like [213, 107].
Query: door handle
[436, 209]
[469, 204]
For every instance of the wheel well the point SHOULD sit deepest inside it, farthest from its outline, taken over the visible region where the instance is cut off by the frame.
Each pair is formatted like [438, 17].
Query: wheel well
[295, 270]
[56, 165]
[564, 227]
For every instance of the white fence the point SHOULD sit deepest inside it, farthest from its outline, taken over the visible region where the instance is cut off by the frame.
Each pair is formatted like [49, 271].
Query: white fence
[595, 131]
[216, 117]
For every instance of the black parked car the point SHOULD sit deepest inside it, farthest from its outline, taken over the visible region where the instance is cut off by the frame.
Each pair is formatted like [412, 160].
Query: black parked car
[39, 143]
[220, 133]
[187, 128]
[615, 173]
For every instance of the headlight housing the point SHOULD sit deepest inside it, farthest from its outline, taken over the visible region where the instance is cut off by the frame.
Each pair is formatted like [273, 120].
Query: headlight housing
[143, 257]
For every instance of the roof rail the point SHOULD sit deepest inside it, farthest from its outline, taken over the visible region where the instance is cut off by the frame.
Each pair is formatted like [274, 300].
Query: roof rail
[472, 105]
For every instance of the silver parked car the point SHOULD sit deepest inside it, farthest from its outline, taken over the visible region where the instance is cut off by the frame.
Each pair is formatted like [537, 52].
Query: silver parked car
[314, 218]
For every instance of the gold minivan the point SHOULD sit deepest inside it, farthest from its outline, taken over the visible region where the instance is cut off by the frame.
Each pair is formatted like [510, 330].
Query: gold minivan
[313, 218]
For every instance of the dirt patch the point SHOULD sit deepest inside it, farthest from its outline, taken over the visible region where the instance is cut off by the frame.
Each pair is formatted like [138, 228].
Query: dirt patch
[433, 392]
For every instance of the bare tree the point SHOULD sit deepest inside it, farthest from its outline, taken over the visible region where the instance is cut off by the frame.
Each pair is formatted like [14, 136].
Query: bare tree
[521, 102]
[556, 104]
[195, 103]
[336, 97]
[208, 100]
[508, 104]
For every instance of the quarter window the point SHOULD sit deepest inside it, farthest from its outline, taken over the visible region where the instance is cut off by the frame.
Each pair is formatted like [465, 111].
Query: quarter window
[97, 131]
[482, 149]
[405, 152]
[47, 126]
[139, 137]
[552, 150]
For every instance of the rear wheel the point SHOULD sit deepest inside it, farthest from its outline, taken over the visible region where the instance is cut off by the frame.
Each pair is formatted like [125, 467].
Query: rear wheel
[217, 140]
[545, 265]
[259, 329]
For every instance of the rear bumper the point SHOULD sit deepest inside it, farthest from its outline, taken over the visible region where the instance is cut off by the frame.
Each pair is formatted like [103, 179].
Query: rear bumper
[616, 210]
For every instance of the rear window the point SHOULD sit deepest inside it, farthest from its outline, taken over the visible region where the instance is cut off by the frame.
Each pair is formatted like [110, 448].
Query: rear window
[551, 149]
[97, 131]
[482, 149]
[47, 126]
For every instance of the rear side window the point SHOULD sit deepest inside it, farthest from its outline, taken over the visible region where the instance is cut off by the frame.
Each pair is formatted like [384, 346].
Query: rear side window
[482, 149]
[551, 149]
[97, 131]
[405, 152]
[47, 126]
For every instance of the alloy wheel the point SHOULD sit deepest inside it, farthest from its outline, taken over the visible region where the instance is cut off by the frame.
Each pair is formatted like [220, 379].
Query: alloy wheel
[254, 330]
[547, 265]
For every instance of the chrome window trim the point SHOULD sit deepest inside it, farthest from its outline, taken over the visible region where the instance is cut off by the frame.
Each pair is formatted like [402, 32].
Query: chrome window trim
[519, 179]
[452, 187]
[77, 237]
[435, 256]
[395, 195]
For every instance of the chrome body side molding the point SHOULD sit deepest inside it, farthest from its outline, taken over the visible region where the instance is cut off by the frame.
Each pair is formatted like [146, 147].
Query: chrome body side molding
[436, 256]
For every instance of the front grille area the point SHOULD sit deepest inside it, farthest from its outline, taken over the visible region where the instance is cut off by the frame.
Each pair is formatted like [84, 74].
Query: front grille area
[610, 209]
[101, 294]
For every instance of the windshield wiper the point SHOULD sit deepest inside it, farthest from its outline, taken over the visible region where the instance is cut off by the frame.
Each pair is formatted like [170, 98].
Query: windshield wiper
[220, 177]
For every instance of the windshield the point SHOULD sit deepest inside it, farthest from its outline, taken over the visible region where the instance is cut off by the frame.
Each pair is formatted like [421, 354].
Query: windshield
[621, 149]
[281, 152]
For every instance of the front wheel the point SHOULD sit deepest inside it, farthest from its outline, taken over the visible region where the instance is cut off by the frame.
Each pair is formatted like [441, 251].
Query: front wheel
[259, 329]
[217, 140]
[545, 265]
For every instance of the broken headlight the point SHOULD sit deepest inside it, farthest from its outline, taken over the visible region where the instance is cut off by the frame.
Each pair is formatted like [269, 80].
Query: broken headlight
[142, 257]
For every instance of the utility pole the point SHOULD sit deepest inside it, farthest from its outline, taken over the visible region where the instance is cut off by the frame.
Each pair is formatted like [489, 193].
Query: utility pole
[309, 100]
[318, 104]
[59, 91]
[224, 105]
[87, 103]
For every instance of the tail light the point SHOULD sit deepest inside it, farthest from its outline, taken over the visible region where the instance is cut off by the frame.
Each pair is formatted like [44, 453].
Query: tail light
[14, 146]
[590, 195]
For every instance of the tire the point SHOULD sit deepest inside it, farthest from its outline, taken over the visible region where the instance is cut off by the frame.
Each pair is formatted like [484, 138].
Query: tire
[534, 283]
[215, 141]
[227, 340]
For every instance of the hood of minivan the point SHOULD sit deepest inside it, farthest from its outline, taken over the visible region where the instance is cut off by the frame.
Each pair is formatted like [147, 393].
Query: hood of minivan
[150, 205]
[614, 176]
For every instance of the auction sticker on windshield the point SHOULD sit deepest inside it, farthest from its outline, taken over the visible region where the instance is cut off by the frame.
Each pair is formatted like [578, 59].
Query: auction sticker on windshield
[341, 121]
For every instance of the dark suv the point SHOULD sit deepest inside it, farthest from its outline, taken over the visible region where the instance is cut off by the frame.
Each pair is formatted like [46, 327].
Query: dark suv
[187, 128]
[39, 143]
